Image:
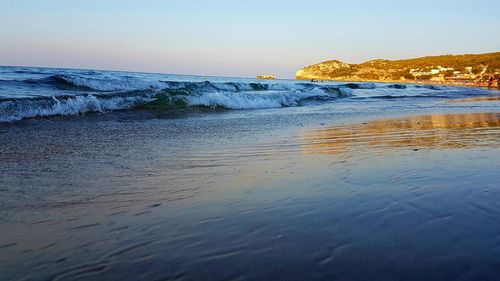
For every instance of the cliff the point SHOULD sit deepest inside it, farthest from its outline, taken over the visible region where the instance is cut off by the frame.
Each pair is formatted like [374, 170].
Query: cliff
[451, 68]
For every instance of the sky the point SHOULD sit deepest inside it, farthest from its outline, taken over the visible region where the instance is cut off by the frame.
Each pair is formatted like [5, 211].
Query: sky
[238, 37]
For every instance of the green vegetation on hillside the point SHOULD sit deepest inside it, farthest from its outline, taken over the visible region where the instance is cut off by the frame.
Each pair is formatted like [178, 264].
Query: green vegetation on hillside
[445, 67]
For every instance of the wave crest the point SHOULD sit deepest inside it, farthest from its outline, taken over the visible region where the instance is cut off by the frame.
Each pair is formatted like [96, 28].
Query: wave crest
[172, 94]
[14, 110]
[107, 84]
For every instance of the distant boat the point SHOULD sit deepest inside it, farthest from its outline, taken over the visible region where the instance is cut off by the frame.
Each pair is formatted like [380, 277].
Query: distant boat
[266, 76]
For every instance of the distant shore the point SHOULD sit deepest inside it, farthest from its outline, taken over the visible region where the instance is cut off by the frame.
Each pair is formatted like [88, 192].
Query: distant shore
[476, 70]
[465, 83]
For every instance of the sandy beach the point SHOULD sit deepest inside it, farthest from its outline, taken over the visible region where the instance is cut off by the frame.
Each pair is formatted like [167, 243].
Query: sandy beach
[251, 195]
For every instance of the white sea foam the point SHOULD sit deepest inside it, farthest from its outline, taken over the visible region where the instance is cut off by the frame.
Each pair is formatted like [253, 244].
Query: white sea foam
[252, 100]
[110, 84]
[12, 110]
[16, 110]
[238, 101]
[367, 86]
[230, 95]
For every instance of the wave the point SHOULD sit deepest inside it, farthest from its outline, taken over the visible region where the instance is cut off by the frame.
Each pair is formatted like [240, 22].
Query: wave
[28, 72]
[107, 84]
[397, 86]
[14, 110]
[391, 97]
[411, 97]
[359, 85]
[96, 95]
[431, 87]
[103, 92]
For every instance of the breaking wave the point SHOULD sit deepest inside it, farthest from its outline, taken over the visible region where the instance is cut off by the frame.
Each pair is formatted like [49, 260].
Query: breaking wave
[28, 93]
[397, 86]
[13, 110]
[359, 85]
[431, 87]
[102, 95]
[394, 97]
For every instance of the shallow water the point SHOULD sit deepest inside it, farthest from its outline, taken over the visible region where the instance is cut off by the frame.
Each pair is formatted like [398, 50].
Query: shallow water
[354, 189]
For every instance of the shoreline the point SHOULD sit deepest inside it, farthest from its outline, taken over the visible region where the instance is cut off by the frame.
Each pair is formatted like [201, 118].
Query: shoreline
[416, 82]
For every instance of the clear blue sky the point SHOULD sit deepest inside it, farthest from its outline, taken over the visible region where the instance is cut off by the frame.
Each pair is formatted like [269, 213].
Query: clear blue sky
[238, 38]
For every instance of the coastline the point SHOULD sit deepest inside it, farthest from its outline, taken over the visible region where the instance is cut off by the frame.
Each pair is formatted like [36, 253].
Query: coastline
[480, 70]
[483, 85]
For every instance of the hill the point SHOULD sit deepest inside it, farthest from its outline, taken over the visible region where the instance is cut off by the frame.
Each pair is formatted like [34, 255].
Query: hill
[471, 68]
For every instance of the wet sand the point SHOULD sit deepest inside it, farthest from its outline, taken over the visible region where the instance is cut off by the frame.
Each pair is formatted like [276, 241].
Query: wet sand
[476, 99]
[436, 131]
[409, 197]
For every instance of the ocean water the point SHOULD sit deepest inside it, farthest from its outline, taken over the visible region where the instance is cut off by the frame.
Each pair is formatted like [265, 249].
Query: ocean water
[135, 176]
[43, 92]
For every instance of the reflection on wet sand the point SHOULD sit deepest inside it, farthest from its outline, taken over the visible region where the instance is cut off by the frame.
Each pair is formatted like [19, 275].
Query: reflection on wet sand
[438, 131]
[476, 99]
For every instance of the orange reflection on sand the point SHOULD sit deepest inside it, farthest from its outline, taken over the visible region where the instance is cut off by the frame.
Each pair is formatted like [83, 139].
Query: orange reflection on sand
[476, 99]
[437, 131]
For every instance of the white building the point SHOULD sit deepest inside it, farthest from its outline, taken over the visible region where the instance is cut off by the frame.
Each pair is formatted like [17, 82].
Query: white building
[445, 68]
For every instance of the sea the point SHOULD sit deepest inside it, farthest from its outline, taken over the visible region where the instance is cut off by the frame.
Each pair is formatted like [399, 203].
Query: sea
[108, 175]
[44, 92]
